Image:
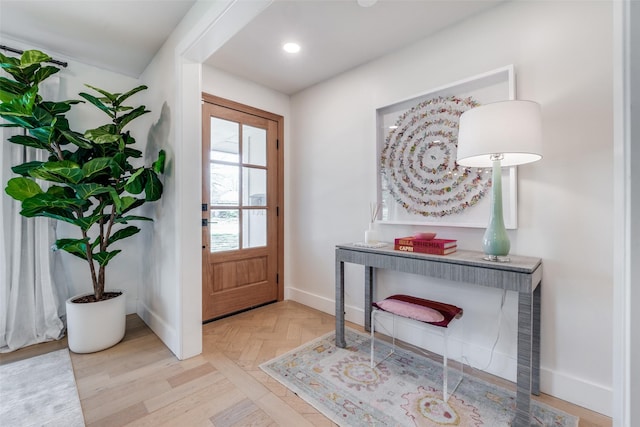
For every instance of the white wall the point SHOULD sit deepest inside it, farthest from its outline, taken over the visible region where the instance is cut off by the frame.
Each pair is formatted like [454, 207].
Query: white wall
[225, 85]
[633, 218]
[72, 273]
[634, 212]
[161, 296]
[171, 300]
[562, 55]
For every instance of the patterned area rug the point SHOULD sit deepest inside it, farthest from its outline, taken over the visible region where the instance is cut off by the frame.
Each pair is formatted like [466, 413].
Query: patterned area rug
[40, 391]
[403, 390]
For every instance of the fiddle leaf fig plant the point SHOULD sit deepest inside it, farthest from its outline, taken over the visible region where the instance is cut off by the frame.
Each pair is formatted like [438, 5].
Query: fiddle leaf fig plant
[91, 180]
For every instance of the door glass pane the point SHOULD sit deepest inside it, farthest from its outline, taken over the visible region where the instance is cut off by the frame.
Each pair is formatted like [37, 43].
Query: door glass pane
[254, 228]
[225, 137]
[254, 145]
[224, 227]
[224, 184]
[254, 187]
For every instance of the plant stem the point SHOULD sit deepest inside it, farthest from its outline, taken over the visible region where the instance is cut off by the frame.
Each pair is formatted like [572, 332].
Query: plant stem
[96, 290]
[58, 151]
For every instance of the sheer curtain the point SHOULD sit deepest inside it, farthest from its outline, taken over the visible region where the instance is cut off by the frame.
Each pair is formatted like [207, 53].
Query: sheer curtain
[30, 309]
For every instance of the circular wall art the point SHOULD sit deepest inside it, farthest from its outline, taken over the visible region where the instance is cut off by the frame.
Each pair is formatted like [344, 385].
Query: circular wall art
[418, 160]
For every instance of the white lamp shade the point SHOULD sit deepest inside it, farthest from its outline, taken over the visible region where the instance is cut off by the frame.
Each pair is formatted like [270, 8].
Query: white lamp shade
[510, 128]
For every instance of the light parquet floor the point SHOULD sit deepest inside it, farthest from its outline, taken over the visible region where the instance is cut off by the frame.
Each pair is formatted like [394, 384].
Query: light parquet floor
[139, 382]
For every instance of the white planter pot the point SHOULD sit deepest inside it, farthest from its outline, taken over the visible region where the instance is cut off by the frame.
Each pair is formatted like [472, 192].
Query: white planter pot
[95, 326]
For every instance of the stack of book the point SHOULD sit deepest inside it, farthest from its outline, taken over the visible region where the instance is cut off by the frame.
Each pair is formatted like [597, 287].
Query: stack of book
[426, 246]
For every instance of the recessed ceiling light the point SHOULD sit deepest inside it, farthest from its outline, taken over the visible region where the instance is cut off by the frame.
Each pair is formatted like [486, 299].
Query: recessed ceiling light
[291, 47]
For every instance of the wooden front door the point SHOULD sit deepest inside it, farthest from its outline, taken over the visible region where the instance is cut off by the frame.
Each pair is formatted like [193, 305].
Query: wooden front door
[241, 221]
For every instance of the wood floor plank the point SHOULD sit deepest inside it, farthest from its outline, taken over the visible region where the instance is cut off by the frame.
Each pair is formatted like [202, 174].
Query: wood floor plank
[282, 413]
[190, 374]
[121, 417]
[184, 390]
[195, 407]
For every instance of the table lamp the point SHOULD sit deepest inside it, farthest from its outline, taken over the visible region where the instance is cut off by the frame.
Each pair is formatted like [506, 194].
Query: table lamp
[506, 133]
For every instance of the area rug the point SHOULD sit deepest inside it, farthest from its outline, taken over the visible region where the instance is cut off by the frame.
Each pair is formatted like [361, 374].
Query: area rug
[40, 391]
[403, 390]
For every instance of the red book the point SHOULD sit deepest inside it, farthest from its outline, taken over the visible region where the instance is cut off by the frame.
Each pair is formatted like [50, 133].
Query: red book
[426, 243]
[426, 249]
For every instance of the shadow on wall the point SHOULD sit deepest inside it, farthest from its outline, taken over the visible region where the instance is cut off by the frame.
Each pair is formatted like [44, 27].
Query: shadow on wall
[158, 139]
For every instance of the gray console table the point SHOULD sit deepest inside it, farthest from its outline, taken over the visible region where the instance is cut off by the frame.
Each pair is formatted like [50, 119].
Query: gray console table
[522, 275]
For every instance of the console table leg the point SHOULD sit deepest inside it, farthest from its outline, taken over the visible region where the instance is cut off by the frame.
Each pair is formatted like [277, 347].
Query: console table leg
[369, 280]
[525, 341]
[535, 375]
[340, 341]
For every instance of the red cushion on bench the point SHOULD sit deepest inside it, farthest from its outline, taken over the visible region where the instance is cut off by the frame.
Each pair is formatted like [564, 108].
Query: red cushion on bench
[448, 311]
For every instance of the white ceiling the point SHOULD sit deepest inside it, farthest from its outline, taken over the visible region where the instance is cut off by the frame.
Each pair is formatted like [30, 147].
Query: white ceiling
[336, 35]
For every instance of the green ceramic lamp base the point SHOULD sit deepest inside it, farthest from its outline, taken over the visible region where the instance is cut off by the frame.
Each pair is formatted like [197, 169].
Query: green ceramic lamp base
[495, 242]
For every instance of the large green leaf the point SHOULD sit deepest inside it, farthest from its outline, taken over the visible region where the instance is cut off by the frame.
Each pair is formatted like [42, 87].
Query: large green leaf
[61, 192]
[20, 105]
[98, 103]
[69, 171]
[43, 117]
[153, 187]
[103, 135]
[86, 222]
[42, 173]
[158, 165]
[29, 141]
[17, 121]
[58, 107]
[44, 202]
[44, 73]
[127, 118]
[25, 168]
[128, 139]
[115, 197]
[118, 164]
[43, 133]
[103, 258]
[25, 73]
[111, 97]
[100, 165]
[132, 152]
[22, 188]
[61, 123]
[76, 139]
[123, 234]
[136, 182]
[32, 57]
[85, 191]
[129, 203]
[8, 61]
[9, 89]
[126, 219]
[65, 215]
[77, 247]
[126, 95]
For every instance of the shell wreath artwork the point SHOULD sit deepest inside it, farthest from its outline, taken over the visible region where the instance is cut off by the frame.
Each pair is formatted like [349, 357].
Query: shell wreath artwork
[417, 161]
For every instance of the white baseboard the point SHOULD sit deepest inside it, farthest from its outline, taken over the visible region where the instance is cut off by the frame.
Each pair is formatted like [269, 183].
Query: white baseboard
[162, 329]
[594, 397]
[575, 390]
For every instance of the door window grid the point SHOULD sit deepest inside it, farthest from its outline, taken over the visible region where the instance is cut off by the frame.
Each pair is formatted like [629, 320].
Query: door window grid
[237, 222]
